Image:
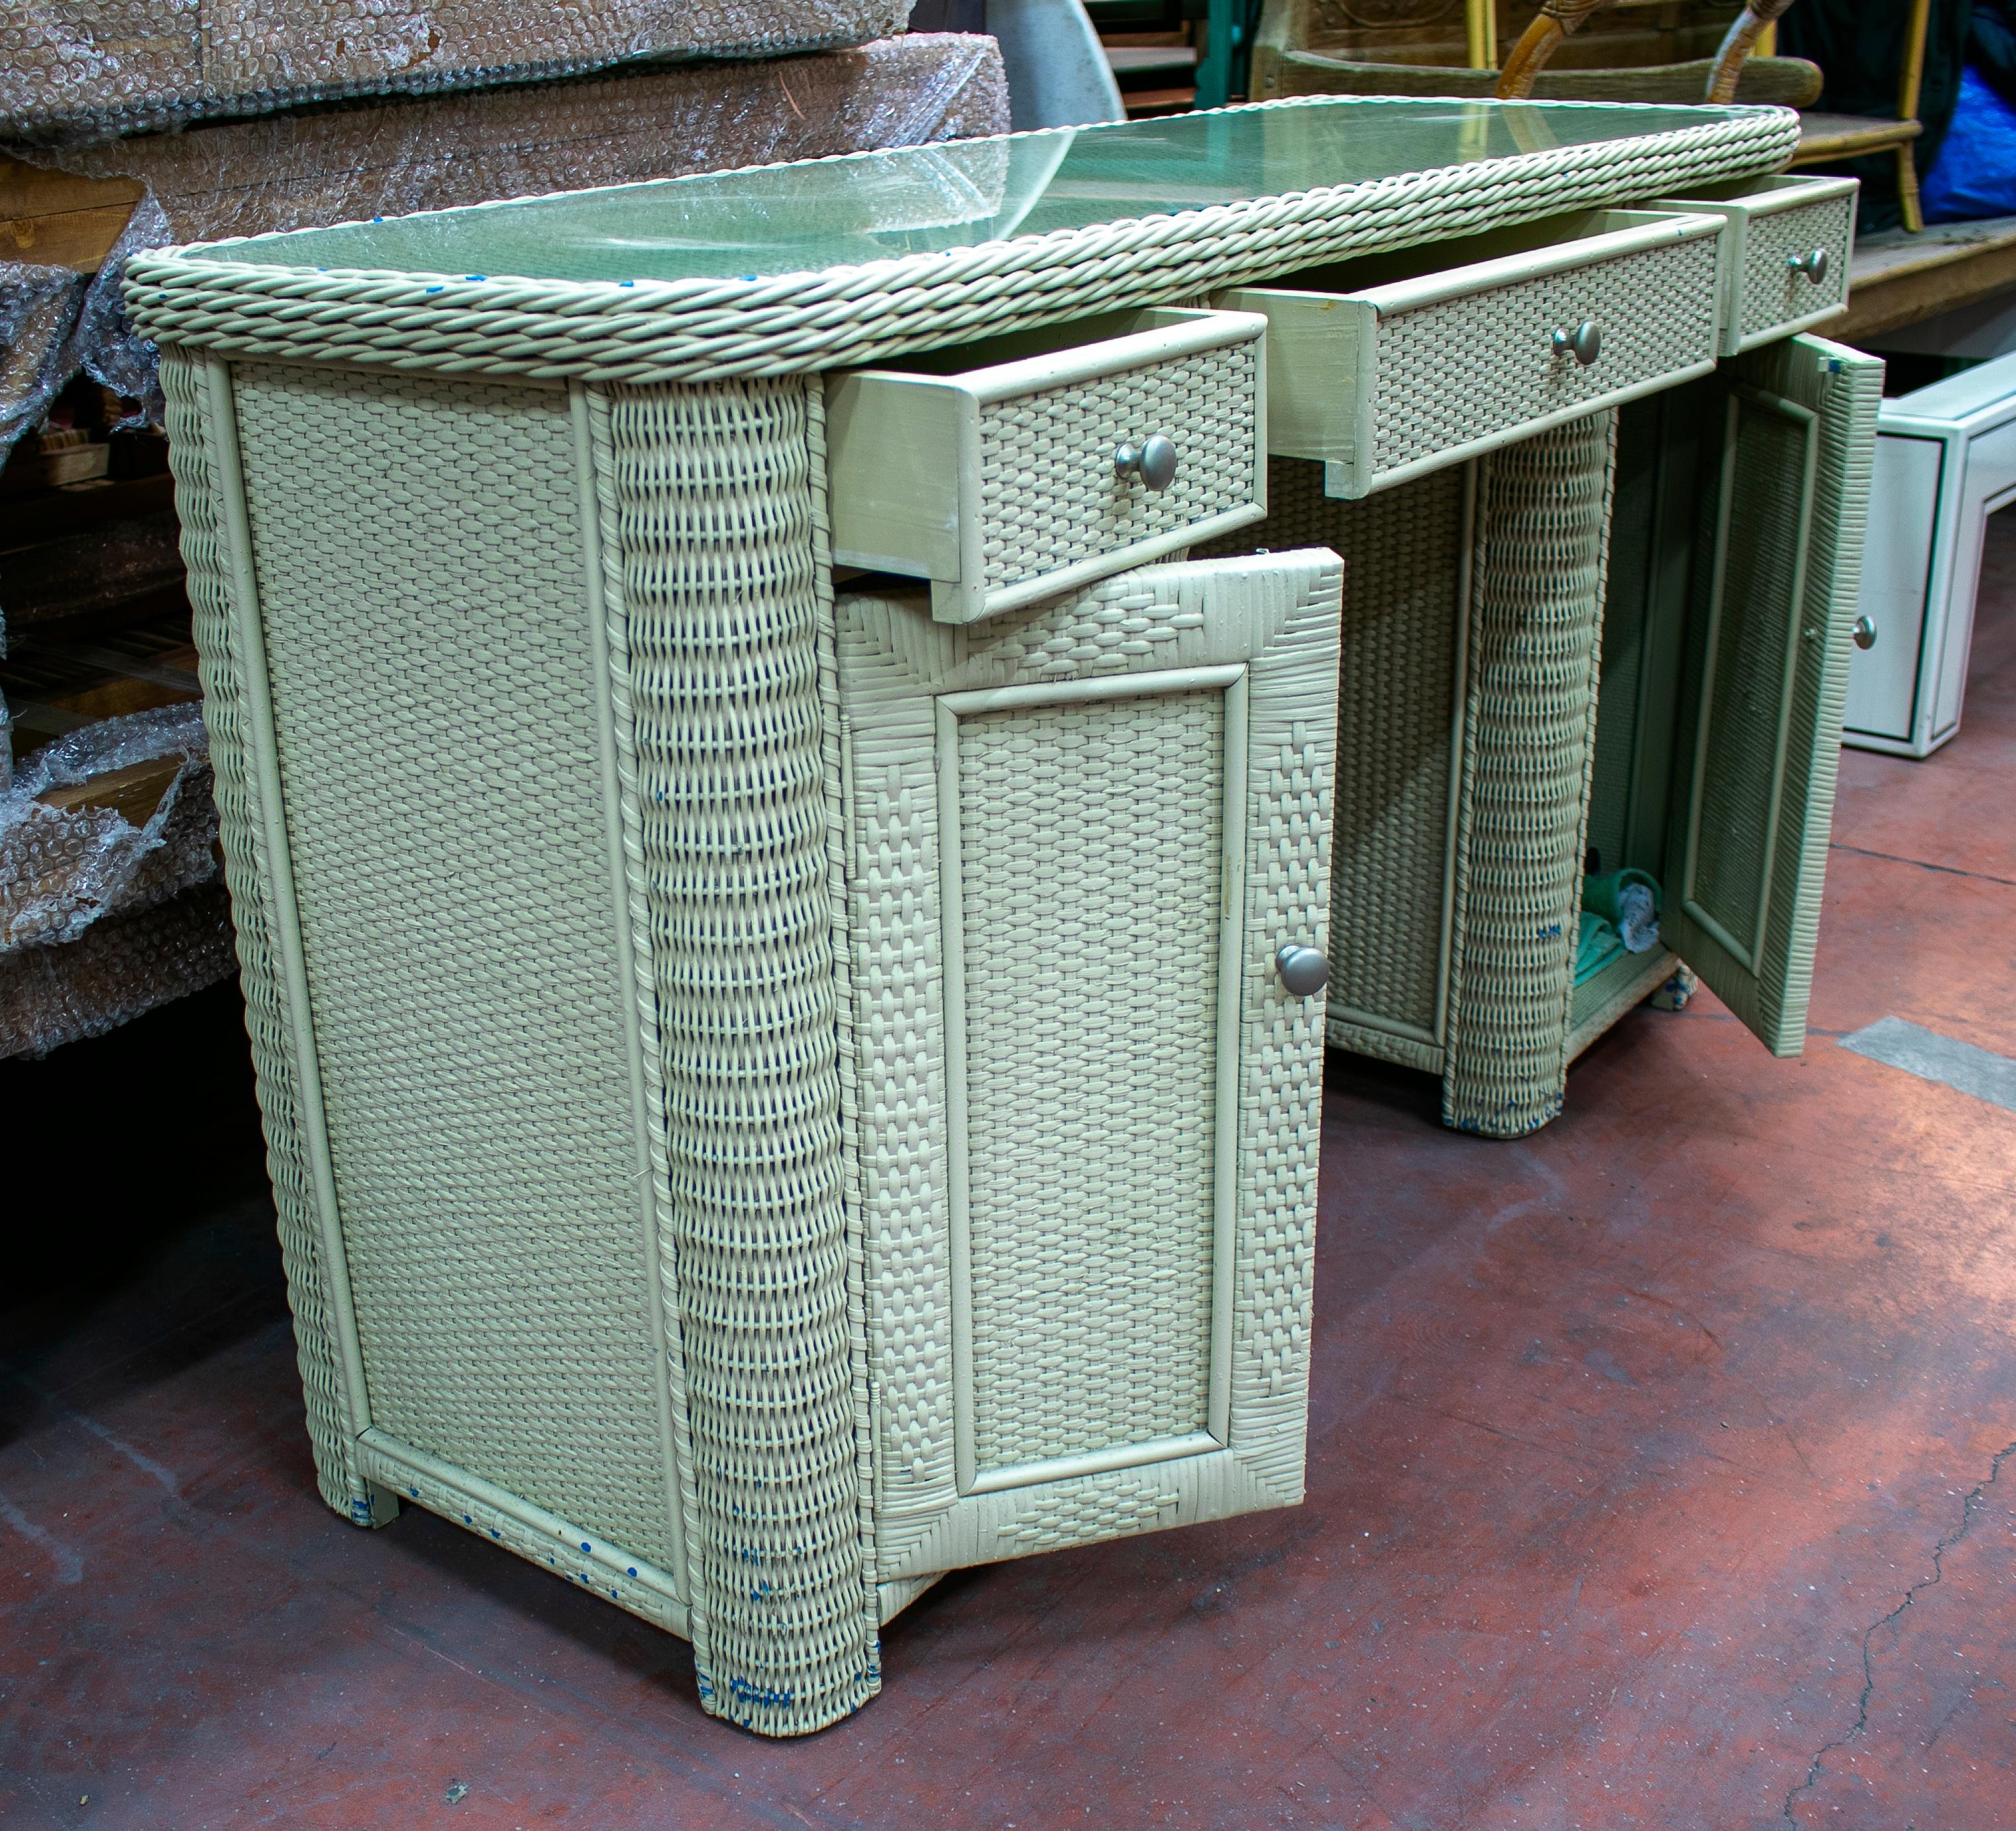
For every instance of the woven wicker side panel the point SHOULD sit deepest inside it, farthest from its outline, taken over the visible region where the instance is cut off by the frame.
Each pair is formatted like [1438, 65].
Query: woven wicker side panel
[1741, 794]
[712, 540]
[1091, 838]
[1447, 369]
[1771, 291]
[1627, 603]
[1403, 560]
[240, 830]
[1048, 491]
[423, 580]
[1529, 717]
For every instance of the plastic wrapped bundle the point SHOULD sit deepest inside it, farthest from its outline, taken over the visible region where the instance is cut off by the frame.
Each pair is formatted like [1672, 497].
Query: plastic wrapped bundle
[74, 69]
[119, 970]
[291, 171]
[117, 815]
[111, 897]
[39, 309]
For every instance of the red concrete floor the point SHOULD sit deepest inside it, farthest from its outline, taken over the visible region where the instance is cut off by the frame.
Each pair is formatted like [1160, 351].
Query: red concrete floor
[1663, 1471]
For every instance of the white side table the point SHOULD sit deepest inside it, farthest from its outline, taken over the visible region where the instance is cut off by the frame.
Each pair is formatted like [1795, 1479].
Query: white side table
[1946, 460]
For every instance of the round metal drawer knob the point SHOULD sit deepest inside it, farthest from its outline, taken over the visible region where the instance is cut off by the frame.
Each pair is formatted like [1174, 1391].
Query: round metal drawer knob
[1153, 461]
[1812, 264]
[1584, 343]
[1865, 632]
[1304, 971]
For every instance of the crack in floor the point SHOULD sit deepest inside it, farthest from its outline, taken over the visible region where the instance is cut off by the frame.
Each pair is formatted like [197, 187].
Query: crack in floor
[1922, 864]
[1869, 1633]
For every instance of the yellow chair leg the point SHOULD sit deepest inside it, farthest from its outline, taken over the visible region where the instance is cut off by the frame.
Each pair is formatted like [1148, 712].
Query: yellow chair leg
[1907, 189]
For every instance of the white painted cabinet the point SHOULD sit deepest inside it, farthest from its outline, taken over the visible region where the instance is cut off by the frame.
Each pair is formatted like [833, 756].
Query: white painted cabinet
[1946, 460]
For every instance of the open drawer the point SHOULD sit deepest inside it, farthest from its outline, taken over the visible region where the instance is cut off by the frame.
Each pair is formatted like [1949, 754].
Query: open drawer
[1789, 241]
[1009, 471]
[1393, 366]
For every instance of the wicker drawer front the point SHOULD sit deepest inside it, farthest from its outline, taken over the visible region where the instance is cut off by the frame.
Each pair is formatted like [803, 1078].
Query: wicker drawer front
[1386, 381]
[999, 482]
[1773, 285]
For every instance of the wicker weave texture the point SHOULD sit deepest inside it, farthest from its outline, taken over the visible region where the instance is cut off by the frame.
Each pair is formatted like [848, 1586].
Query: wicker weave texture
[1091, 835]
[1739, 795]
[1404, 568]
[710, 504]
[1450, 371]
[1049, 495]
[1851, 396]
[1280, 616]
[1772, 293]
[1529, 716]
[459, 921]
[1751, 860]
[1626, 632]
[693, 330]
[248, 870]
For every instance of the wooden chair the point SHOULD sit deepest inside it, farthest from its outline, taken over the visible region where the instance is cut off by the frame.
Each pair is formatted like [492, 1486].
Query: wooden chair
[1824, 140]
[1788, 82]
[1402, 32]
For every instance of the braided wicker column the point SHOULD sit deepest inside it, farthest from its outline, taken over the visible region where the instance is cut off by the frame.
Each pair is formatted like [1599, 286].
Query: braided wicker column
[712, 532]
[1529, 723]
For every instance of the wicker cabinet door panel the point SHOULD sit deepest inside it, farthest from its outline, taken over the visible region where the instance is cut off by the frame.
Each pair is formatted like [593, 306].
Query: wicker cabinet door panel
[1089, 1104]
[1765, 679]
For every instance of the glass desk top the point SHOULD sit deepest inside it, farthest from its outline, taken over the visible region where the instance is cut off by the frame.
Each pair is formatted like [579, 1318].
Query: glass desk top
[910, 201]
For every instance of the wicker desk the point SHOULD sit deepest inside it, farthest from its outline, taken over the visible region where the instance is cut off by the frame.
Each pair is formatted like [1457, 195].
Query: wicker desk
[781, 913]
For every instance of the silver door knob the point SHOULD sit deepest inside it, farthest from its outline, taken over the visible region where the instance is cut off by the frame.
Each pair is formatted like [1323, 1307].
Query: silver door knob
[1812, 264]
[1865, 632]
[1153, 461]
[1584, 343]
[1303, 970]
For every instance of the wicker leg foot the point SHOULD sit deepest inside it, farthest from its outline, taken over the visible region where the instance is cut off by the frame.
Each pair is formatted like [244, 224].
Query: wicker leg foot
[1529, 721]
[1676, 993]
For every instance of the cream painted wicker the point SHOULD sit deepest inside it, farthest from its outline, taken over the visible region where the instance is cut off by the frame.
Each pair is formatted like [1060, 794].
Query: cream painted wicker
[773, 1094]
[1467, 705]
[1474, 770]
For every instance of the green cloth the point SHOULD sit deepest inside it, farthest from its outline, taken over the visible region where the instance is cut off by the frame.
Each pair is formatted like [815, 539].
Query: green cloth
[1596, 945]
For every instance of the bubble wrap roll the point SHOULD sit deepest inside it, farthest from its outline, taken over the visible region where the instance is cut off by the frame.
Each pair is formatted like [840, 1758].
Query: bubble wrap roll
[71, 69]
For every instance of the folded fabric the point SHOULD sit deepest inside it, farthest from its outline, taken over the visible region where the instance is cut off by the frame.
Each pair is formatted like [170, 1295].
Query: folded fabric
[1596, 944]
[1629, 901]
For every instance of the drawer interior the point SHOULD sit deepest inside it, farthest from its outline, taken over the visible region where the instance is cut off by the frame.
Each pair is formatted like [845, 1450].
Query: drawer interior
[1548, 233]
[1781, 192]
[1045, 340]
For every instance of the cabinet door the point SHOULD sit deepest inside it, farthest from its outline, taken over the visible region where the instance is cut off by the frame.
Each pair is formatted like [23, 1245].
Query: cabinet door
[1089, 1104]
[1785, 502]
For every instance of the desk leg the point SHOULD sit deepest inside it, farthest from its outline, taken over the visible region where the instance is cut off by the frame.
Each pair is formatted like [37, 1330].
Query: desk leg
[1529, 725]
[713, 535]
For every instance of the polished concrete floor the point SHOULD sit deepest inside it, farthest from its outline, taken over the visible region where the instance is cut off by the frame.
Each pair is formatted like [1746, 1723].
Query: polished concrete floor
[1662, 1471]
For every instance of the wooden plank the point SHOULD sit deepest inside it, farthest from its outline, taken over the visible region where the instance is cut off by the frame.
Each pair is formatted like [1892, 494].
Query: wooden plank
[57, 219]
[1847, 136]
[1898, 279]
[133, 792]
